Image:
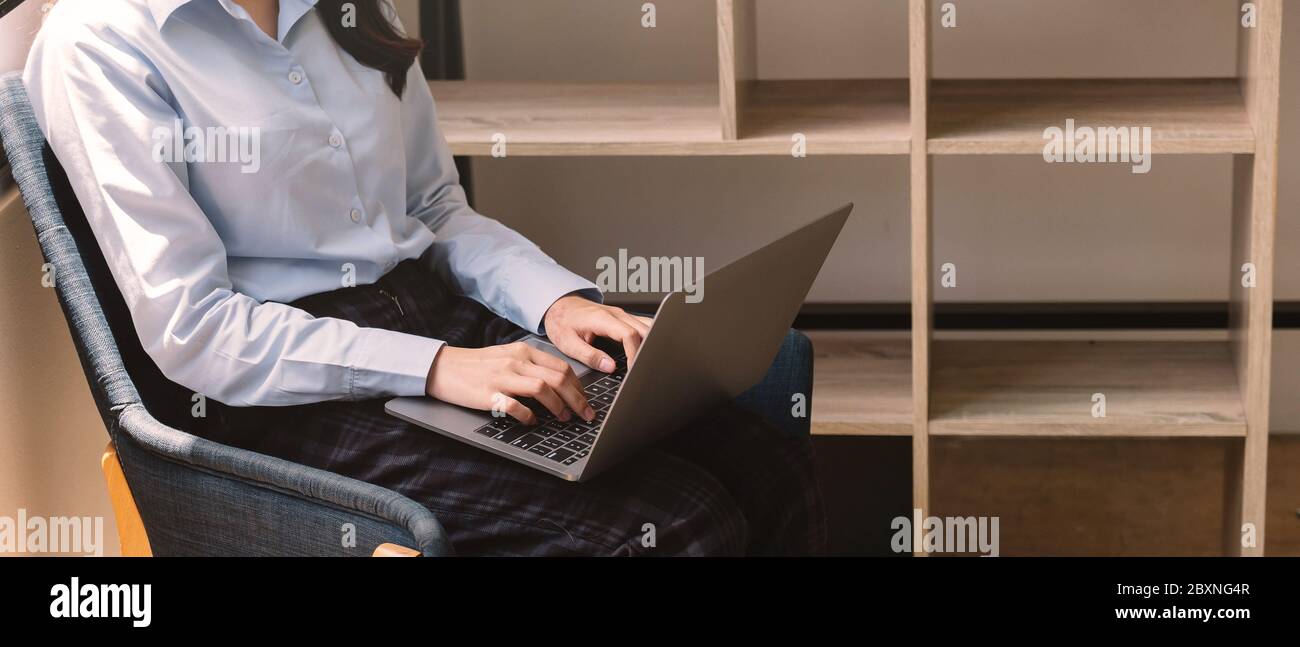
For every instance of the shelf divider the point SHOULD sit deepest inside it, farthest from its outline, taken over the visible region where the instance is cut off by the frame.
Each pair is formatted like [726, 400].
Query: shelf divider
[737, 61]
[918, 47]
[1254, 218]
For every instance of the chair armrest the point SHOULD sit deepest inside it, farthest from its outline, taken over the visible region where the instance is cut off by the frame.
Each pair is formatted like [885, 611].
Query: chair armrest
[197, 497]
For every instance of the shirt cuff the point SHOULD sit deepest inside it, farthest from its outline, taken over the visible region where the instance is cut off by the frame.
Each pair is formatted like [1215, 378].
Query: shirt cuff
[392, 364]
[535, 286]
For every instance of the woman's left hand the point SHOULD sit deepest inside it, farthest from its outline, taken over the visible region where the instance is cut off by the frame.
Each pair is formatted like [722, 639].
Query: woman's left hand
[573, 323]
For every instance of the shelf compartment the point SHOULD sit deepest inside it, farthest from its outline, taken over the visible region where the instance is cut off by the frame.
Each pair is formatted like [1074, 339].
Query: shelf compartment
[862, 384]
[838, 117]
[681, 119]
[999, 117]
[1045, 389]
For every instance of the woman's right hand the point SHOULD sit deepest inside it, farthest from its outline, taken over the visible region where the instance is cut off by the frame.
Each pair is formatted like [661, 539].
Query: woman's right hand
[493, 378]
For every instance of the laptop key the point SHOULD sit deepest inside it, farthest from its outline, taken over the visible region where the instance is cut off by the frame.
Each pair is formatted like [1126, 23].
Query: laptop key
[511, 435]
[587, 438]
[539, 450]
[571, 460]
[551, 443]
[527, 442]
[577, 446]
[607, 383]
[559, 455]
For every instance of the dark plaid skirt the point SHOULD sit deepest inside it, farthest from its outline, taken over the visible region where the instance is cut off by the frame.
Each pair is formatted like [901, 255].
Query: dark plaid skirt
[729, 483]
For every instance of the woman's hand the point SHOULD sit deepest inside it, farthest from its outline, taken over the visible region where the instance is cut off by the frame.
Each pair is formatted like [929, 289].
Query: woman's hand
[492, 378]
[573, 322]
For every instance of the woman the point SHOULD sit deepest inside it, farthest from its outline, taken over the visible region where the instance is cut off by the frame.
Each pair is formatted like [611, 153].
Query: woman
[280, 211]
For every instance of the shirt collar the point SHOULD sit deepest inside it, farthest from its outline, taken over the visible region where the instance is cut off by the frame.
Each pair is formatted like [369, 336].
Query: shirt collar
[163, 9]
[291, 9]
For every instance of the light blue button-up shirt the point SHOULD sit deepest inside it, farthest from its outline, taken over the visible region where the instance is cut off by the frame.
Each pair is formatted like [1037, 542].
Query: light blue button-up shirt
[328, 177]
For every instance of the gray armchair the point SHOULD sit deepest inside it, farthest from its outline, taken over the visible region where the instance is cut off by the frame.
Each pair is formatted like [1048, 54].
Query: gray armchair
[184, 495]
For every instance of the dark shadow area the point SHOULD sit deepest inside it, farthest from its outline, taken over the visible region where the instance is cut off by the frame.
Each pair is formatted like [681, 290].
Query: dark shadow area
[866, 482]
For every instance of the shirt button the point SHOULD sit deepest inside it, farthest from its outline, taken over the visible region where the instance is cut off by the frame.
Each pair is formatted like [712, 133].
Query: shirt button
[336, 140]
[295, 77]
[356, 215]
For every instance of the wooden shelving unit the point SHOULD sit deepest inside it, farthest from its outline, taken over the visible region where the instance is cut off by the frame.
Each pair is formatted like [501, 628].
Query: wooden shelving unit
[881, 386]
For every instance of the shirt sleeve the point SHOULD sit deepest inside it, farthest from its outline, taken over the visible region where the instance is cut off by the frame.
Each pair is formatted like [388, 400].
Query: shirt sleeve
[478, 256]
[100, 103]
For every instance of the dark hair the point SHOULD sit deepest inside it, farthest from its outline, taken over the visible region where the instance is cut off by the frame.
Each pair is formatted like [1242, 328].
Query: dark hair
[371, 38]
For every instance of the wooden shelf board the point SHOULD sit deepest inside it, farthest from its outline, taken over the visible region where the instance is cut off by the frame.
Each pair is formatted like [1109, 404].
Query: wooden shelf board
[1202, 116]
[555, 119]
[862, 384]
[1045, 389]
[682, 119]
[838, 117]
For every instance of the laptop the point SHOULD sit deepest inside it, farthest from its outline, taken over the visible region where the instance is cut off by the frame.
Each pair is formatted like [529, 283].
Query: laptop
[697, 356]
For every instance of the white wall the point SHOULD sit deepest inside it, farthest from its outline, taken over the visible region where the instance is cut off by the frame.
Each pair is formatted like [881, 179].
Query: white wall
[16, 31]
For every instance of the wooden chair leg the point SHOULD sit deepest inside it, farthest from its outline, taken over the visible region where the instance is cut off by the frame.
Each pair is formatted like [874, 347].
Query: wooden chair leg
[393, 550]
[130, 527]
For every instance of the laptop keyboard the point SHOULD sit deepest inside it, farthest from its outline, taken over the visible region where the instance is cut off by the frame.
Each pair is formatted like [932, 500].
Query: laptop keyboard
[563, 442]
